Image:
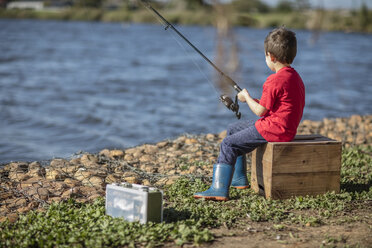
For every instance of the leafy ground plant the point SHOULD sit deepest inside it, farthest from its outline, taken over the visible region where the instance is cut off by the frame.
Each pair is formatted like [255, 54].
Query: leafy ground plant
[72, 224]
[189, 220]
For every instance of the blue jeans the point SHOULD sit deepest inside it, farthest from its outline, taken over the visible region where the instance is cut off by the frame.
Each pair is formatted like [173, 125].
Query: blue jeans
[242, 137]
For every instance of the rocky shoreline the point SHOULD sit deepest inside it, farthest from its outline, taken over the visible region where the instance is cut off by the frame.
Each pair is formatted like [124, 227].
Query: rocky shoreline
[26, 186]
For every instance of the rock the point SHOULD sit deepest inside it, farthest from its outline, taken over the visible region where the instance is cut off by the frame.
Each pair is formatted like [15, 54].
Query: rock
[17, 166]
[89, 161]
[82, 174]
[128, 157]
[170, 154]
[190, 141]
[210, 137]
[360, 139]
[36, 170]
[115, 154]
[5, 195]
[146, 158]
[149, 168]
[86, 191]
[151, 149]
[38, 192]
[18, 176]
[112, 179]
[43, 193]
[12, 217]
[161, 181]
[15, 203]
[192, 169]
[70, 193]
[3, 219]
[71, 169]
[55, 199]
[31, 182]
[94, 181]
[98, 172]
[167, 181]
[33, 205]
[105, 152]
[93, 197]
[59, 163]
[54, 174]
[162, 159]
[23, 209]
[72, 182]
[354, 120]
[59, 186]
[34, 165]
[75, 161]
[199, 153]
[138, 154]
[175, 146]
[146, 182]
[82, 200]
[162, 144]
[180, 139]
[134, 150]
[222, 134]
[132, 179]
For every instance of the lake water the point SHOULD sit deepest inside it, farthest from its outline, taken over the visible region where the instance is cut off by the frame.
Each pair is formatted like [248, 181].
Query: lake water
[84, 86]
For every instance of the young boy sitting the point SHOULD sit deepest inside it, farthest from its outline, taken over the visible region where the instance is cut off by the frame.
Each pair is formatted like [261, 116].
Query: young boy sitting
[281, 107]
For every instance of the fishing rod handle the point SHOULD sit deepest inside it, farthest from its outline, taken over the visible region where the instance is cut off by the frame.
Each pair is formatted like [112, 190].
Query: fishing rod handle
[237, 88]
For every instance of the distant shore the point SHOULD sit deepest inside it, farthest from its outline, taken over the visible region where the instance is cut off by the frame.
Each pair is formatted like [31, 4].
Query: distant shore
[344, 21]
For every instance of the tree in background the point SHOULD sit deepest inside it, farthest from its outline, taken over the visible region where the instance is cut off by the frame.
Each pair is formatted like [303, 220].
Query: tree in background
[364, 17]
[194, 4]
[89, 3]
[285, 6]
[250, 6]
[302, 4]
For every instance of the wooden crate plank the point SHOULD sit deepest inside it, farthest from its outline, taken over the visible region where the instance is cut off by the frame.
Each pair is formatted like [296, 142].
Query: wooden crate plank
[306, 158]
[287, 185]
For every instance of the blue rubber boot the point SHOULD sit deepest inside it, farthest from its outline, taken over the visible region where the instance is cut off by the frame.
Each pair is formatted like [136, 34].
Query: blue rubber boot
[219, 190]
[239, 179]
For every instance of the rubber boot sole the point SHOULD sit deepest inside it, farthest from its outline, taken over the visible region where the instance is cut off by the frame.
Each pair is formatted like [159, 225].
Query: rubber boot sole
[241, 187]
[215, 198]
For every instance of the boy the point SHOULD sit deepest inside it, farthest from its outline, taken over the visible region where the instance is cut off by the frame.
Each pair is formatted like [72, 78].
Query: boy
[281, 107]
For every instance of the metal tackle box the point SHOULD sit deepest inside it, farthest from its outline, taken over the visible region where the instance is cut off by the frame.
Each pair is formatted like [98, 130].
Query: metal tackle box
[134, 202]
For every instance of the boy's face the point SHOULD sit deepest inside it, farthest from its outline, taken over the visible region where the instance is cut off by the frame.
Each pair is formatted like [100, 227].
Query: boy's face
[269, 61]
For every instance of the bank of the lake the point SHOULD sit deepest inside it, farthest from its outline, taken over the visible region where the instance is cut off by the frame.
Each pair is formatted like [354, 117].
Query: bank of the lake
[317, 20]
[84, 176]
[39, 202]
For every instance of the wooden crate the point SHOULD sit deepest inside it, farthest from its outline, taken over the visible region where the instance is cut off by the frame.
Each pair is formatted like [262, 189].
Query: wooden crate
[309, 165]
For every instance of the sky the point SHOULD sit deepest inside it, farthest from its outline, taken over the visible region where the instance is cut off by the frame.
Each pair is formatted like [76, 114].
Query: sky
[331, 4]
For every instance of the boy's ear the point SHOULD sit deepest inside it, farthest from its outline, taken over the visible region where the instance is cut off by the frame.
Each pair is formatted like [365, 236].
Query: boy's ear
[272, 57]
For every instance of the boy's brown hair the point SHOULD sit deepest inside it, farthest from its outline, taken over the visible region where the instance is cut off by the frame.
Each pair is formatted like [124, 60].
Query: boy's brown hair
[281, 43]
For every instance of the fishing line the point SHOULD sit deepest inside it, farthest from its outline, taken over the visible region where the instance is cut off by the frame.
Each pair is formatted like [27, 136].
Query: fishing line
[226, 100]
[188, 53]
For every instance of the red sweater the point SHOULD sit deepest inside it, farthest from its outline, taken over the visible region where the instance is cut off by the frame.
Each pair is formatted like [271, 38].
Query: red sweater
[284, 97]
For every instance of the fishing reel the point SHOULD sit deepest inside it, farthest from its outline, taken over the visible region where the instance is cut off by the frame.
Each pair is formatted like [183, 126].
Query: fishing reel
[233, 106]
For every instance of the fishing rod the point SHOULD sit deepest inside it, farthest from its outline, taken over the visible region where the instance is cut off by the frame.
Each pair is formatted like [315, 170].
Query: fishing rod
[225, 99]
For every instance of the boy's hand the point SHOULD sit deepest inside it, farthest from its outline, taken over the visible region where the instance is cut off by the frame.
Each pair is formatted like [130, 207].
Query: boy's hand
[243, 95]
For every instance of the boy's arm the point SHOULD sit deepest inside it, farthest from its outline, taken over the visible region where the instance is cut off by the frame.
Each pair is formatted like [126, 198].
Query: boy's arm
[256, 108]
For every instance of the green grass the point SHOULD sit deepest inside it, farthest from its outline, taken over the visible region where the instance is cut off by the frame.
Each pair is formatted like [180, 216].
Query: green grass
[72, 224]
